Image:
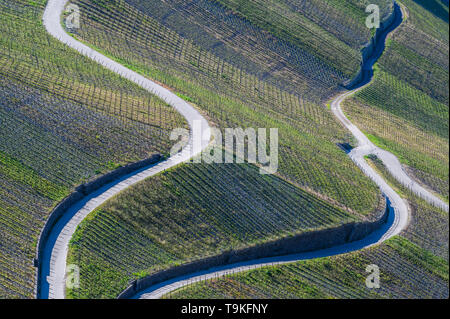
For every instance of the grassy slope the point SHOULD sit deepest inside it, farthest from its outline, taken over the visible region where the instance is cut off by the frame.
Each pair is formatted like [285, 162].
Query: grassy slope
[405, 110]
[216, 29]
[232, 97]
[105, 245]
[413, 265]
[63, 120]
[187, 216]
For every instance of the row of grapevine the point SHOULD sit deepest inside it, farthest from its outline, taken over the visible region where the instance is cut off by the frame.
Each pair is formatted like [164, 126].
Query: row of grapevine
[186, 217]
[232, 97]
[63, 120]
[249, 50]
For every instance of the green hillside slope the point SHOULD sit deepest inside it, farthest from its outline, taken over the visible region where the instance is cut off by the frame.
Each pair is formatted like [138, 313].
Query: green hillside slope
[63, 121]
[412, 265]
[185, 215]
[405, 110]
[214, 64]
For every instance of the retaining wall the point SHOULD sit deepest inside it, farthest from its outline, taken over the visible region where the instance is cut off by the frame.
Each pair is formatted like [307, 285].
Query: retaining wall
[78, 194]
[373, 50]
[309, 241]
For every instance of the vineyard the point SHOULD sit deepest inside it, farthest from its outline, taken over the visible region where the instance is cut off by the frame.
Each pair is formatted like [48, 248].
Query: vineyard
[213, 28]
[334, 31]
[405, 109]
[425, 155]
[63, 121]
[429, 226]
[187, 216]
[232, 97]
[407, 271]
[413, 265]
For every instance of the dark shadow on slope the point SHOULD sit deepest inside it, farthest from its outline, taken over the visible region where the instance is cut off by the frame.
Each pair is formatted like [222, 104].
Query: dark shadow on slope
[439, 8]
[346, 147]
[377, 47]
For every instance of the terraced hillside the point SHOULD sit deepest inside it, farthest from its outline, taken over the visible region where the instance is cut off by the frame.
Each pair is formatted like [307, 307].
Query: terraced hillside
[188, 216]
[63, 121]
[233, 96]
[405, 110]
[412, 265]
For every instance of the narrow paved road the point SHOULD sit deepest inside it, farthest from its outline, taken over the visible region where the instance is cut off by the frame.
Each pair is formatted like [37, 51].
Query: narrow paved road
[366, 147]
[398, 216]
[53, 263]
[395, 224]
[55, 251]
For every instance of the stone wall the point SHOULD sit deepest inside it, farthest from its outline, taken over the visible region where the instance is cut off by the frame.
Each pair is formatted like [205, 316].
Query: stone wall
[310, 241]
[79, 193]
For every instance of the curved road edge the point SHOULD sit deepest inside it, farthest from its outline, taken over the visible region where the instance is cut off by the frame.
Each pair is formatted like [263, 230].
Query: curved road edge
[365, 146]
[399, 212]
[52, 266]
[55, 252]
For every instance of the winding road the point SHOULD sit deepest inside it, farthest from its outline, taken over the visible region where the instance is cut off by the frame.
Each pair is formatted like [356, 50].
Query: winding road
[53, 262]
[51, 281]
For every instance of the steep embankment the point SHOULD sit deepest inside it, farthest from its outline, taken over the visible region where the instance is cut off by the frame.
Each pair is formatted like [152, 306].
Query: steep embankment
[396, 223]
[53, 250]
[365, 147]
